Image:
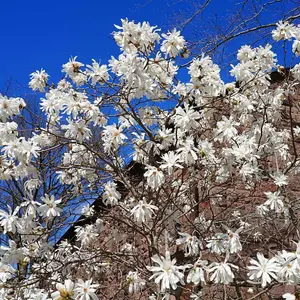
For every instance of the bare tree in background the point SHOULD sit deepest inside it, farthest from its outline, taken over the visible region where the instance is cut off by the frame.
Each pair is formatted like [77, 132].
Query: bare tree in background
[221, 34]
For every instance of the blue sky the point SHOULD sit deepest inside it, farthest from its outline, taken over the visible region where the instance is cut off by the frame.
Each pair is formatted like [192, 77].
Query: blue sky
[44, 34]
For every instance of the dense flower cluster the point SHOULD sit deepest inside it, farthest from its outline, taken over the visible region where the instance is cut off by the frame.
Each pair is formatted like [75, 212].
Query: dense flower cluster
[179, 220]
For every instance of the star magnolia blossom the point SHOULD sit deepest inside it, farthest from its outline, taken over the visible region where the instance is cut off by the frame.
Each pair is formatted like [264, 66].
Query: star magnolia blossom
[191, 244]
[289, 296]
[263, 269]
[9, 220]
[64, 291]
[38, 80]
[49, 208]
[173, 43]
[170, 161]
[197, 274]
[221, 272]
[136, 283]
[186, 118]
[143, 211]
[167, 273]
[283, 31]
[85, 290]
[274, 201]
[155, 178]
[111, 196]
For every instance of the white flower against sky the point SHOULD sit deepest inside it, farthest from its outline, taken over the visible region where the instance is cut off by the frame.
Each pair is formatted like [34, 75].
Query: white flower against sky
[98, 74]
[38, 80]
[133, 37]
[296, 46]
[113, 136]
[49, 209]
[77, 130]
[245, 53]
[173, 43]
[72, 67]
[283, 31]
[9, 220]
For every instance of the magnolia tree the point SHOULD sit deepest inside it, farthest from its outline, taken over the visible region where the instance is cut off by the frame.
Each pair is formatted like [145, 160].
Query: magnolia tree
[212, 212]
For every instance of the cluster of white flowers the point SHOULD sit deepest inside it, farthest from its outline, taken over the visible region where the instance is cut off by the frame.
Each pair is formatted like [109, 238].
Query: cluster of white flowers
[190, 163]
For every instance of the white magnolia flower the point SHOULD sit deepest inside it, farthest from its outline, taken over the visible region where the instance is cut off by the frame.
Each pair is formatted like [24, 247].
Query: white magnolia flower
[98, 74]
[296, 47]
[170, 161]
[155, 177]
[226, 129]
[37, 295]
[88, 210]
[289, 267]
[85, 290]
[167, 273]
[274, 201]
[6, 272]
[38, 80]
[77, 130]
[222, 272]
[72, 67]
[283, 31]
[86, 234]
[133, 37]
[191, 243]
[49, 209]
[186, 118]
[111, 196]
[218, 243]
[234, 244]
[198, 296]
[245, 53]
[173, 44]
[143, 211]
[113, 136]
[280, 179]
[64, 291]
[289, 296]
[136, 283]
[263, 269]
[10, 220]
[196, 274]
[188, 151]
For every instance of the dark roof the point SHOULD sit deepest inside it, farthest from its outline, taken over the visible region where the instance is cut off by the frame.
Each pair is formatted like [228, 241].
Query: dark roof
[135, 171]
